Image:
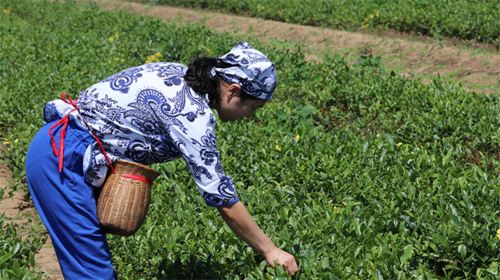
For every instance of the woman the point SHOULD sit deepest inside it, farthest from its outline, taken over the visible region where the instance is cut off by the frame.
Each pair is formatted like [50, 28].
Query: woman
[148, 114]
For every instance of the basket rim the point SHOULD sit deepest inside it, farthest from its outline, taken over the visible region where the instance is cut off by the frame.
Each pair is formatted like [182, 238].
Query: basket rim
[127, 162]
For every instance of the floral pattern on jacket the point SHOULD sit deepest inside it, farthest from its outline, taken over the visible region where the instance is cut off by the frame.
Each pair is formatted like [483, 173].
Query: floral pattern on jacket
[148, 114]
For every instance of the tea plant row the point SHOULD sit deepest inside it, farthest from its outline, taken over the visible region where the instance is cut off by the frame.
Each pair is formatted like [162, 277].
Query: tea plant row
[358, 172]
[465, 19]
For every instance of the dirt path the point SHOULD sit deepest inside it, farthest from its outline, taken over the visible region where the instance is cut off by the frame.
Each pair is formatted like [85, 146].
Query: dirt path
[21, 213]
[477, 69]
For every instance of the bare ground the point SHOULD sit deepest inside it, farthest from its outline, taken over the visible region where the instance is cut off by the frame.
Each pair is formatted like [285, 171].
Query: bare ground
[19, 211]
[476, 67]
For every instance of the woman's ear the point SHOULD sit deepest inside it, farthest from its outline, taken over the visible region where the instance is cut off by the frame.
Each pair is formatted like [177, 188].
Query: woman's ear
[234, 89]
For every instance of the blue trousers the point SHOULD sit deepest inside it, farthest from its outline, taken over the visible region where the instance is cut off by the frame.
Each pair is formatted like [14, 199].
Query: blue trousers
[67, 204]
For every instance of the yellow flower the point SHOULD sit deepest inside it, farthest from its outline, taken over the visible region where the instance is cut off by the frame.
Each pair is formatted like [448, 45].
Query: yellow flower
[498, 234]
[277, 148]
[113, 37]
[337, 210]
[297, 138]
[369, 20]
[157, 57]
[399, 144]
[7, 11]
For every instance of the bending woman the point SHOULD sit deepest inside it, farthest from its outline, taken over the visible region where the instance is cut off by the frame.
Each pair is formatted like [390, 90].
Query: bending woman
[153, 113]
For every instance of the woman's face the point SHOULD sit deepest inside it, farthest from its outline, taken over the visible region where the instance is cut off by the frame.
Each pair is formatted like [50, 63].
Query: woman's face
[233, 106]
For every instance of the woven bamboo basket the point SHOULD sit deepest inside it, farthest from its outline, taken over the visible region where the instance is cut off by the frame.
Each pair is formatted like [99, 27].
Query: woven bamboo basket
[125, 197]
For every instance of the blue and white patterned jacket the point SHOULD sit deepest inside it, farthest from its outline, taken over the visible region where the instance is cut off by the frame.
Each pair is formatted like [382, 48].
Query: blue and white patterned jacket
[148, 114]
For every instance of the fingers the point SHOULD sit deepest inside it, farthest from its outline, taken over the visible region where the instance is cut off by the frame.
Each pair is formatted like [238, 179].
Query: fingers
[283, 259]
[291, 266]
[293, 269]
[289, 263]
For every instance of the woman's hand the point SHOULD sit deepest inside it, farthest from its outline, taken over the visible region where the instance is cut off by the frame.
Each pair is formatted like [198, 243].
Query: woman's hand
[282, 258]
[242, 223]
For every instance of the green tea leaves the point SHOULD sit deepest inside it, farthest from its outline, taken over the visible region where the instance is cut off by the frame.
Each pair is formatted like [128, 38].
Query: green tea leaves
[361, 174]
[407, 254]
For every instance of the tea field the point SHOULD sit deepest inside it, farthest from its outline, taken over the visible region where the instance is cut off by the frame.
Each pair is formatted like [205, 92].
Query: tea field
[358, 172]
[465, 19]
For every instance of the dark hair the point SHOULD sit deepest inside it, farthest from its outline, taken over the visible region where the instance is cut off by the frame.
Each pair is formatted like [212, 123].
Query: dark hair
[199, 77]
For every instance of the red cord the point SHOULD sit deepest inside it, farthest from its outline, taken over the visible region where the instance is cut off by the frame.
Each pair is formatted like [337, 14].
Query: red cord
[64, 122]
[59, 153]
[101, 146]
[138, 178]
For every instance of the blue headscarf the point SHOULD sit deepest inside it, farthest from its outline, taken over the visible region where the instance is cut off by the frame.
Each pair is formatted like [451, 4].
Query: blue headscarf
[250, 68]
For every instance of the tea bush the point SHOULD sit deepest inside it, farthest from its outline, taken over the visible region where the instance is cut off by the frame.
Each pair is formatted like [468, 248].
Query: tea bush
[358, 172]
[16, 254]
[465, 19]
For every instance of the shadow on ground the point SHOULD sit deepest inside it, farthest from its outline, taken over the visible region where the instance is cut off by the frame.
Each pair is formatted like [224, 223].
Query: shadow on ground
[194, 269]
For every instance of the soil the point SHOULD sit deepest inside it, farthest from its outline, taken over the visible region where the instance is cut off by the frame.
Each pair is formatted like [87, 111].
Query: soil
[18, 210]
[475, 66]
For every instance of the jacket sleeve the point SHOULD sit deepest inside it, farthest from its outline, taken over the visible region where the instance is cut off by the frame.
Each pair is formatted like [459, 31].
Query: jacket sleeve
[196, 141]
